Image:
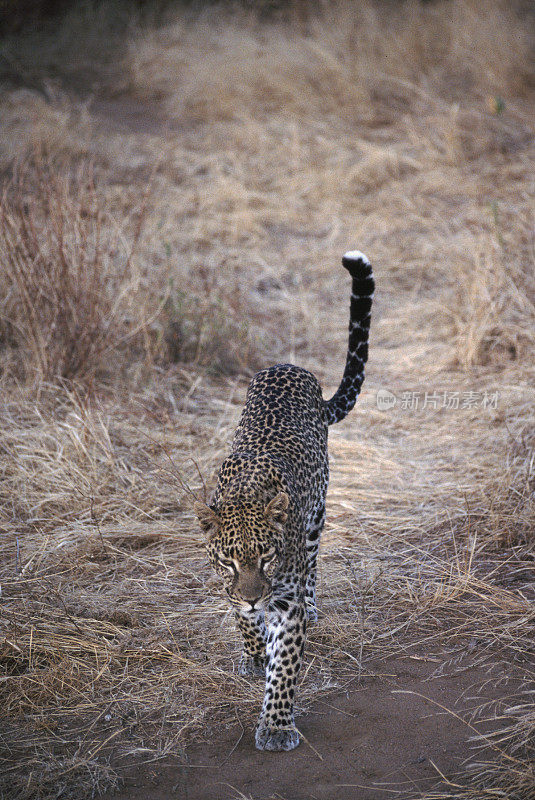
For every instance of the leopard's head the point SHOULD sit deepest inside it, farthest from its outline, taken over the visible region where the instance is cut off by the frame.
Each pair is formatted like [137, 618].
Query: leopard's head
[245, 544]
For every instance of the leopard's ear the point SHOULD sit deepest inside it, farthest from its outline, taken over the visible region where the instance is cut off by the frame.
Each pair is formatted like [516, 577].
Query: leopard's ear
[276, 509]
[207, 517]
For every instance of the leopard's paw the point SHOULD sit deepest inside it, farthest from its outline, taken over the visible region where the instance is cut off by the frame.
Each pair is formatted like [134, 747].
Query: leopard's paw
[276, 739]
[252, 666]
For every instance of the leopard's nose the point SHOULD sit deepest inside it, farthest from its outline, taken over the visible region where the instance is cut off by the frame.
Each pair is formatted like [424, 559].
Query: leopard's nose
[252, 599]
[251, 586]
[255, 601]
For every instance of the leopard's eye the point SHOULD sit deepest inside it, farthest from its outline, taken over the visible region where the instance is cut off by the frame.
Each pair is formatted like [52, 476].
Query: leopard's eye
[225, 562]
[267, 559]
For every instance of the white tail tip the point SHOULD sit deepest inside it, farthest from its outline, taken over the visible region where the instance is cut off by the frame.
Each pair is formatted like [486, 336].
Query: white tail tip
[356, 255]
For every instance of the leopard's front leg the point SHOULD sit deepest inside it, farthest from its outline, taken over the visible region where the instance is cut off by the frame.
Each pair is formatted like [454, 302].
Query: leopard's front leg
[286, 629]
[252, 628]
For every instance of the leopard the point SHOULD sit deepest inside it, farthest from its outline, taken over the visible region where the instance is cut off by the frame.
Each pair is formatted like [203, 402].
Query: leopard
[263, 524]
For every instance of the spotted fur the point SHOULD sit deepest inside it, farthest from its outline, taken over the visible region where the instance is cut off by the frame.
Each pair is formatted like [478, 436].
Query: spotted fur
[265, 519]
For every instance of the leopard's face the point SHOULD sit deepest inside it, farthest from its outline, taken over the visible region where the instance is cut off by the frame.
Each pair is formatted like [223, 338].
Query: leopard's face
[245, 546]
[247, 578]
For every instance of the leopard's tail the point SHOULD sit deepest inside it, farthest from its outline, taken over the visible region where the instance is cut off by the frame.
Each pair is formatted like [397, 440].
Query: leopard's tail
[362, 290]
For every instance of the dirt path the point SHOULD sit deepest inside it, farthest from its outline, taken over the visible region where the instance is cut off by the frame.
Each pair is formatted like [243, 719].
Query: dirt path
[388, 735]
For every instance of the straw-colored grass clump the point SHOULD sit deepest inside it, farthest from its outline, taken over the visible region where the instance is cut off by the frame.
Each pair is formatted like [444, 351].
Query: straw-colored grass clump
[178, 227]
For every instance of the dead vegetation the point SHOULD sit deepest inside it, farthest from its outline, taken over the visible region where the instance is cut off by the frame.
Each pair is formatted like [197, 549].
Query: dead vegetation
[150, 266]
[70, 292]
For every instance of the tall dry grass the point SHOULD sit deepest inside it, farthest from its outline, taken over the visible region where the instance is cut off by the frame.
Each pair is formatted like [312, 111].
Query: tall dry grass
[341, 68]
[70, 289]
[263, 150]
[76, 305]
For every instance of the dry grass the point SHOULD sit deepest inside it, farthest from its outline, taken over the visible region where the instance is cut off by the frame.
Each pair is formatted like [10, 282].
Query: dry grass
[404, 130]
[76, 304]
[69, 291]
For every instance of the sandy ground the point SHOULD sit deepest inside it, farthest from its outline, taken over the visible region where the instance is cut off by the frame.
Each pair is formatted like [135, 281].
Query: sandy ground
[388, 735]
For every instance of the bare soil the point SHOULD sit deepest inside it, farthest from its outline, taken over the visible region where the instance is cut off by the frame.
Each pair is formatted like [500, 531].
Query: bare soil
[393, 733]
